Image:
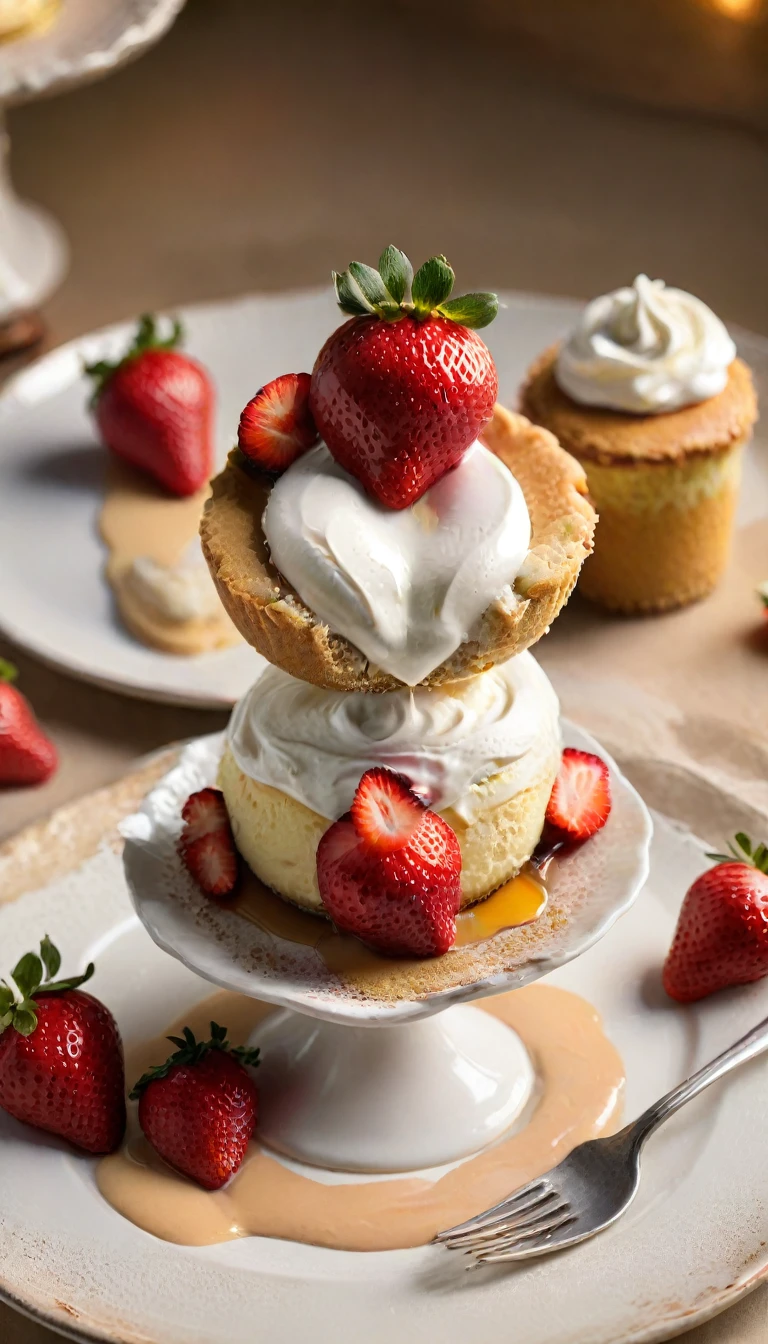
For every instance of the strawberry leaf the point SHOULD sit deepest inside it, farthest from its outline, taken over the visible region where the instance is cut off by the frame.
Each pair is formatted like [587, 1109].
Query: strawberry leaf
[72, 982]
[373, 287]
[471, 310]
[190, 1051]
[7, 1000]
[7, 670]
[350, 296]
[28, 974]
[396, 271]
[432, 284]
[741, 851]
[50, 957]
[25, 1017]
[146, 338]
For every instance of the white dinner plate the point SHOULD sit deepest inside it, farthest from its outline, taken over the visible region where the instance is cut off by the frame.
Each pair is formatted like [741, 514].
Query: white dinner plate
[694, 1241]
[54, 600]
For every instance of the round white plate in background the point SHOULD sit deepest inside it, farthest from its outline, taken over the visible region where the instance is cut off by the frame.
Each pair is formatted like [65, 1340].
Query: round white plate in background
[54, 600]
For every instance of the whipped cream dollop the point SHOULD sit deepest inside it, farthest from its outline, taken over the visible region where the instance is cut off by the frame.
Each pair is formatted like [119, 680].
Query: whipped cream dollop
[497, 730]
[181, 592]
[646, 349]
[404, 586]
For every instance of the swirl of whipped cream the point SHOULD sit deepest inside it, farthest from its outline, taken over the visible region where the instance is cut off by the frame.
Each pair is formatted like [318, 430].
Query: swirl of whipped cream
[498, 730]
[404, 586]
[645, 349]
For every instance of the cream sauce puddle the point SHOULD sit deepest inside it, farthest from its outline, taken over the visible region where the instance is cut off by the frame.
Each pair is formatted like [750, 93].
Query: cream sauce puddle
[139, 519]
[581, 1085]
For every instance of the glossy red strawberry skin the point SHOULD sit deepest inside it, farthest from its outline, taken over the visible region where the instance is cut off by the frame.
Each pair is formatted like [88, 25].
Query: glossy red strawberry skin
[67, 1077]
[402, 902]
[398, 403]
[201, 1117]
[156, 412]
[721, 937]
[27, 756]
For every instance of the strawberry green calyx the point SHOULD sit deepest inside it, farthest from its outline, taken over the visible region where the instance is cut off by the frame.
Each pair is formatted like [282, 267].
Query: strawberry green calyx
[393, 291]
[741, 850]
[32, 975]
[762, 593]
[191, 1051]
[146, 338]
[7, 671]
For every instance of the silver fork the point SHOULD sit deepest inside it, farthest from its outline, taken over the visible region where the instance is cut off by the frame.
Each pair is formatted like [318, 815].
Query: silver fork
[591, 1187]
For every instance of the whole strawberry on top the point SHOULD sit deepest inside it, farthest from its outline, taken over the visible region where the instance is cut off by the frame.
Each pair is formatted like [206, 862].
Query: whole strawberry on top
[389, 871]
[400, 391]
[154, 408]
[61, 1060]
[27, 755]
[721, 937]
[199, 1109]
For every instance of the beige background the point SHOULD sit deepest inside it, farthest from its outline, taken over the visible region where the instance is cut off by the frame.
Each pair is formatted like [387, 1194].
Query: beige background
[262, 143]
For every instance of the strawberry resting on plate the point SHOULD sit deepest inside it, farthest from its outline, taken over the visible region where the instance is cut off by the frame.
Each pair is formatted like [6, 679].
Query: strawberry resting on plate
[580, 803]
[27, 755]
[61, 1060]
[389, 870]
[199, 1109]
[400, 391]
[721, 937]
[154, 408]
[206, 843]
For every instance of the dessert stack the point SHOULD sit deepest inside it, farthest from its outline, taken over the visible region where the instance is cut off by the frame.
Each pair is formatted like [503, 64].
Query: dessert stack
[393, 542]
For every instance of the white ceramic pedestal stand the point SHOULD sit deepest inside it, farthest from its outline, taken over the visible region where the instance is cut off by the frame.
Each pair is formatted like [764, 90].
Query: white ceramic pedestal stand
[354, 1077]
[85, 40]
[399, 1098]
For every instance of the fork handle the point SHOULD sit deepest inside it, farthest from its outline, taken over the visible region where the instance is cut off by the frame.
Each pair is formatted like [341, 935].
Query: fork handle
[754, 1043]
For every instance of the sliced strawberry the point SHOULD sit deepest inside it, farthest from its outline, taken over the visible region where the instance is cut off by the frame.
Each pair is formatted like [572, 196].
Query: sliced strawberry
[276, 426]
[385, 811]
[207, 845]
[580, 803]
[203, 813]
[390, 870]
[212, 861]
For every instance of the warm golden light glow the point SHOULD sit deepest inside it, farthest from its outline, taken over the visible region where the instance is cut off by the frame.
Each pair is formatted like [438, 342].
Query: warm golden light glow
[741, 10]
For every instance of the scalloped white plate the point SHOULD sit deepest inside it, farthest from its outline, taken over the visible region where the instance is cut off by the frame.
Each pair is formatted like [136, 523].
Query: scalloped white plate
[694, 1241]
[590, 889]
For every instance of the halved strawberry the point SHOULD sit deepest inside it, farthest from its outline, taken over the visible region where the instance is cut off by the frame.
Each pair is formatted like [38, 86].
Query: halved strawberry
[212, 861]
[204, 812]
[580, 803]
[385, 811]
[389, 871]
[276, 426]
[206, 843]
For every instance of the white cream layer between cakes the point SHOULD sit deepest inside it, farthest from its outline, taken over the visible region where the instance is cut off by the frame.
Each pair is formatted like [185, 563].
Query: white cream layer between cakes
[470, 746]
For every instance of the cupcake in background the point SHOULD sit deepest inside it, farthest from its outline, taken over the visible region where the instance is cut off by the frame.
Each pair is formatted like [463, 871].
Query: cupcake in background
[648, 394]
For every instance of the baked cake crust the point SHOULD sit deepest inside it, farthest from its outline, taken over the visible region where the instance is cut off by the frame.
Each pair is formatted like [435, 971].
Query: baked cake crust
[615, 438]
[272, 618]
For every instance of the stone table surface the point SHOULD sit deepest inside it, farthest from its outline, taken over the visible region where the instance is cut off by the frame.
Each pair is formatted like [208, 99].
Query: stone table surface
[238, 155]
